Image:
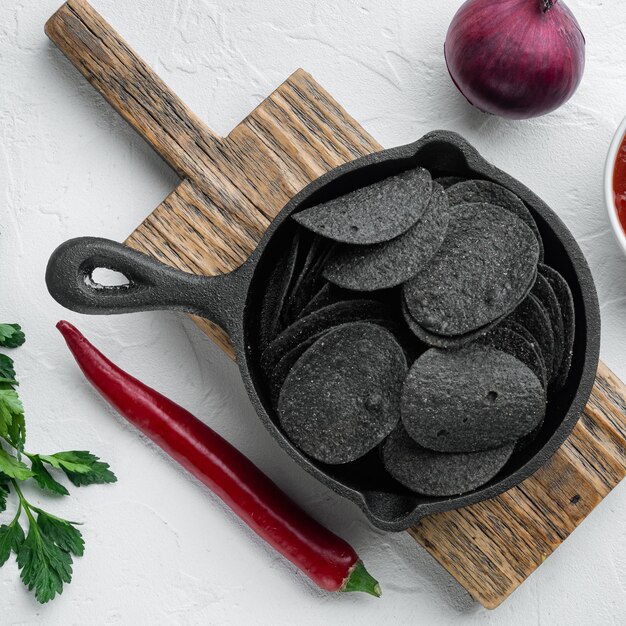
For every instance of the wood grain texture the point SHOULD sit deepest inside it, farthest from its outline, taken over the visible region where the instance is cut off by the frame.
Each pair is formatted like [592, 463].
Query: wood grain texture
[231, 189]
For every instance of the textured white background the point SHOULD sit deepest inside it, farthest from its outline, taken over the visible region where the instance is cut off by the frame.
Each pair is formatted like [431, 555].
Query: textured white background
[160, 548]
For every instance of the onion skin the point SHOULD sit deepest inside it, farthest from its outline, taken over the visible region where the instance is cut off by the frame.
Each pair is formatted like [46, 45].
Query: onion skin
[515, 58]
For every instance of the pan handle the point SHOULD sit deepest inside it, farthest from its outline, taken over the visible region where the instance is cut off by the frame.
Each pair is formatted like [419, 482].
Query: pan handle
[151, 284]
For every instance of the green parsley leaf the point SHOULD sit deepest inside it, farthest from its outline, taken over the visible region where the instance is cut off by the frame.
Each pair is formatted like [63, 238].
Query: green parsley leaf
[73, 461]
[12, 423]
[11, 335]
[99, 474]
[17, 432]
[62, 533]
[82, 468]
[13, 468]
[10, 408]
[7, 371]
[44, 478]
[45, 566]
[11, 538]
[44, 555]
[4, 491]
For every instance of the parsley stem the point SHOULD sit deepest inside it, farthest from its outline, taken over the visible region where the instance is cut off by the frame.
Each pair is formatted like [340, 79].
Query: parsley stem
[23, 502]
[17, 514]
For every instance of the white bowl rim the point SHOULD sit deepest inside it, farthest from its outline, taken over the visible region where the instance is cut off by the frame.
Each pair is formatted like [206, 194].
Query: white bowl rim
[609, 196]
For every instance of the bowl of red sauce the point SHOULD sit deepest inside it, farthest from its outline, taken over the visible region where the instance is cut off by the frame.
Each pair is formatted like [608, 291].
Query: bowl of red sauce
[615, 185]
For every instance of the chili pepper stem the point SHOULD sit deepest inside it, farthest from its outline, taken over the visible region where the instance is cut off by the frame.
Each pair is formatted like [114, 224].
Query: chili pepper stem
[360, 579]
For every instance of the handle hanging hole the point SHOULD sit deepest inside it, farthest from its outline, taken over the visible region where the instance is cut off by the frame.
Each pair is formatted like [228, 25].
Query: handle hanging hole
[104, 278]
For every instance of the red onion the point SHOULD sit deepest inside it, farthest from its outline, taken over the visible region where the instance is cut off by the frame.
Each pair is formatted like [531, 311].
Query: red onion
[515, 58]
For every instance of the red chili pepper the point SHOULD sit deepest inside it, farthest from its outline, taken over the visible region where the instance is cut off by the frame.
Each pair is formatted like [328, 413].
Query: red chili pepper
[327, 559]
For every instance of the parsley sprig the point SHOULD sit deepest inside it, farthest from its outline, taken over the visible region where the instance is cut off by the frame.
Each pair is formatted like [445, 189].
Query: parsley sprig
[44, 552]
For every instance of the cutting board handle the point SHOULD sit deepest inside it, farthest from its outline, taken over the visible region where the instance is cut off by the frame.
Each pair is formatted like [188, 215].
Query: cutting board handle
[131, 87]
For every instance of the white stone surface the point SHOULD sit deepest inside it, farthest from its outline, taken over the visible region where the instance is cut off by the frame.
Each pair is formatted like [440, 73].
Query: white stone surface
[160, 548]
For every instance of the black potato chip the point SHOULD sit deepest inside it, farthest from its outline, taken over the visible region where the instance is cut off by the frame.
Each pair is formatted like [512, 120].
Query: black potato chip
[328, 294]
[442, 341]
[322, 319]
[309, 280]
[566, 303]
[342, 397]
[383, 265]
[438, 473]
[484, 268]
[517, 345]
[543, 291]
[532, 315]
[518, 329]
[372, 214]
[525, 442]
[485, 191]
[280, 371]
[274, 299]
[471, 399]
[448, 181]
[322, 298]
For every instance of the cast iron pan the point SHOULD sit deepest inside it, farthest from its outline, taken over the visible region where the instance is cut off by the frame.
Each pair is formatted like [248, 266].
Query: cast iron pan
[232, 301]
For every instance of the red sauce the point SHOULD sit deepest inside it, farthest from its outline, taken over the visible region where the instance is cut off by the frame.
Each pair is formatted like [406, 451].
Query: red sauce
[619, 184]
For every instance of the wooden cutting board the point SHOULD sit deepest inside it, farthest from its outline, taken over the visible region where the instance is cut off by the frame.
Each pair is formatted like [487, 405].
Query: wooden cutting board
[231, 188]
